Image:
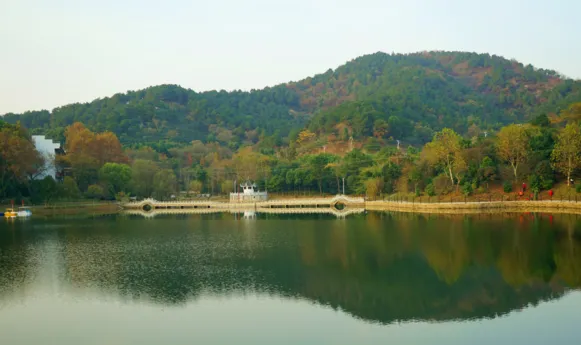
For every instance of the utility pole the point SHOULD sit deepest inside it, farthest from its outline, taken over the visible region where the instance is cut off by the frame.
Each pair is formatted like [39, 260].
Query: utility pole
[343, 186]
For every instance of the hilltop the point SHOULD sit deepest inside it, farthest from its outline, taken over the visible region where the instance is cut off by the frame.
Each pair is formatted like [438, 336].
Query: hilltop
[385, 96]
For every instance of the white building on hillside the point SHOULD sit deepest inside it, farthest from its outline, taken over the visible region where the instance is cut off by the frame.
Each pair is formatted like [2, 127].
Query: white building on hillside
[249, 193]
[47, 148]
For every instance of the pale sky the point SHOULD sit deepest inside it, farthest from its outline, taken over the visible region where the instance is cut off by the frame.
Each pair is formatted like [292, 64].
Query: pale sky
[55, 52]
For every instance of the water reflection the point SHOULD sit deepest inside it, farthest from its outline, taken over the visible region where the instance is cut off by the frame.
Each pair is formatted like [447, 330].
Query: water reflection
[380, 267]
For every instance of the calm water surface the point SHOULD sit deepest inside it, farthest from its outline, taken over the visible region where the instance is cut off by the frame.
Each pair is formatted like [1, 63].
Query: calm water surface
[367, 279]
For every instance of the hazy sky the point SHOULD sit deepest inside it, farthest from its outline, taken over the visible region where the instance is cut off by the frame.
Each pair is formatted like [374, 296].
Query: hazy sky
[54, 52]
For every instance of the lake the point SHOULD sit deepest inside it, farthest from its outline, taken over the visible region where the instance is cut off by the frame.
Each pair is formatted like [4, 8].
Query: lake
[368, 278]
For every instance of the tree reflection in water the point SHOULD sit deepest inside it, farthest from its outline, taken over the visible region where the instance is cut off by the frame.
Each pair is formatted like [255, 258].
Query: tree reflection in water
[381, 267]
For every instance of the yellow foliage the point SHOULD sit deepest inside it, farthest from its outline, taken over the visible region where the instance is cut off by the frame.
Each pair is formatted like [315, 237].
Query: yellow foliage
[305, 136]
[513, 146]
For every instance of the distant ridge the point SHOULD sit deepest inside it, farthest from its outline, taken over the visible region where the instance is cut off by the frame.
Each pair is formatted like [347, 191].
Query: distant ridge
[407, 96]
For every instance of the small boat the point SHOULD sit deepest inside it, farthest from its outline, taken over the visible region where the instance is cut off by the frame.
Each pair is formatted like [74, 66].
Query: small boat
[24, 212]
[10, 213]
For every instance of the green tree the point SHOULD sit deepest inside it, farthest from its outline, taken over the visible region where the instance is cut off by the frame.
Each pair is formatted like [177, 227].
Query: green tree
[339, 172]
[566, 155]
[345, 134]
[164, 183]
[44, 190]
[95, 192]
[116, 177]
[353, 163]
[226, 186]
[380, 128]
[143, 174]
[317, 166]
[70, 188]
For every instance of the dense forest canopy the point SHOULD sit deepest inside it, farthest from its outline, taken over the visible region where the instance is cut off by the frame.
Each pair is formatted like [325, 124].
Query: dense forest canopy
[402, 96]
[432, 123]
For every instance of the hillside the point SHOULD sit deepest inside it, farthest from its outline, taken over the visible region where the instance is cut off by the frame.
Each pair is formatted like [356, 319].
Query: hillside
[387, 96]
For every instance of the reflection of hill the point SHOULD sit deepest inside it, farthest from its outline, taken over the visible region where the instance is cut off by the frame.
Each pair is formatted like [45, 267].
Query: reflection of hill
[482, 294]
[378, 267]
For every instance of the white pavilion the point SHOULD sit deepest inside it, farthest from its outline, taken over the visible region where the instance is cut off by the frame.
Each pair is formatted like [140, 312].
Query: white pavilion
[249, 192]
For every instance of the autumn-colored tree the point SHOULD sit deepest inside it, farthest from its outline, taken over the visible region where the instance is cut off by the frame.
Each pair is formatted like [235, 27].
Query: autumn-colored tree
[513, 146]
[473, 131]
[306, 136]
[373, 186]
[446, 150]
[195, 186]
[566, 156]
[447, 253]
[248, 164]
[78, 138]
[572, 113]
[87, 152]
[568, 259]
[106, 148]
[18, 156]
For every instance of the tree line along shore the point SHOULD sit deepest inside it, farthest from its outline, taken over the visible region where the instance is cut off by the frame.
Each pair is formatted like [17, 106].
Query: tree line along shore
[544, 155]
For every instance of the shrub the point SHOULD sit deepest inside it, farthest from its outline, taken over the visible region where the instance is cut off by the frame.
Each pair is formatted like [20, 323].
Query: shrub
[535, 183]
[372, 145]
[546, 174]
[467, 189]
[475, 186]
[121, 196]
[442, 184]
[430, 190]
[507, 187]
[70, 188]
[94, 191]
[578, 188]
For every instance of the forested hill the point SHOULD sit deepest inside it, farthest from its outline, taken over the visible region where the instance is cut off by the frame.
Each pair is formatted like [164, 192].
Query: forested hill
[386, 96]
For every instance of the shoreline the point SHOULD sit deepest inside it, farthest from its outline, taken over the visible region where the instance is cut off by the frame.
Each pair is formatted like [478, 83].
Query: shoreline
[72, 209]
[558, 206]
